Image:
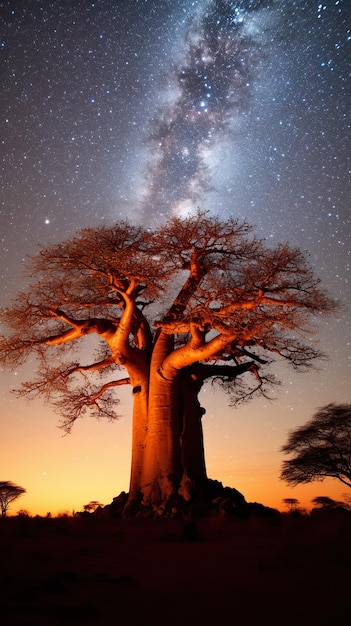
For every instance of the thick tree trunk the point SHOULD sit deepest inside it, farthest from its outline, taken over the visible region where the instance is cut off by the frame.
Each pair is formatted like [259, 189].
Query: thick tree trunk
[162, 470]
[168, 449]
[139, 432]
[194, 476]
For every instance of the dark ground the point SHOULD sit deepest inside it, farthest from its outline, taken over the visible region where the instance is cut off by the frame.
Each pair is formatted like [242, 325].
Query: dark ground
[286, 570]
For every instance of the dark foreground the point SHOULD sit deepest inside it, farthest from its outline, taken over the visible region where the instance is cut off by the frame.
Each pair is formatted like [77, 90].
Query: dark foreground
[286, 570]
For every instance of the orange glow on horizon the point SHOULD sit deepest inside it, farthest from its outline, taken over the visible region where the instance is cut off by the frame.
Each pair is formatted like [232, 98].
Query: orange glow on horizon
[242, 449]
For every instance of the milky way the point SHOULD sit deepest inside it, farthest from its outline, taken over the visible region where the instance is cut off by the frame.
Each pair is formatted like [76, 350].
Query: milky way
[213, 88]
[146, 109]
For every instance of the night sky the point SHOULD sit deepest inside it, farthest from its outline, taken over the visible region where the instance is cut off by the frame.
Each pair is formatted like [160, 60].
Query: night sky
[144, 109]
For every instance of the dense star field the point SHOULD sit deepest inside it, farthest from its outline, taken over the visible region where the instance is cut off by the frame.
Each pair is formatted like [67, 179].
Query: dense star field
[144, 109]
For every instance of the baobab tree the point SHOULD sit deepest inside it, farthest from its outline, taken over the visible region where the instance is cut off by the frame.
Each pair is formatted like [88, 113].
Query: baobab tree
[197, 299]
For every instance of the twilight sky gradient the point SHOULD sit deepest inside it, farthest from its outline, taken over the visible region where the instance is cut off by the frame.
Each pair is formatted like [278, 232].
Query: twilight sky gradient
[145, 108]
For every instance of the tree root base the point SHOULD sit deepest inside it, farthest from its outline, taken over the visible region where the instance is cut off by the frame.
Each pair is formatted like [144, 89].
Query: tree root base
[215, 501]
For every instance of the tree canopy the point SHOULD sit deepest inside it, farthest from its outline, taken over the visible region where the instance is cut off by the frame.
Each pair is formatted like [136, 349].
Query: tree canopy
[324, 502]
[321, 448]
[163, 311]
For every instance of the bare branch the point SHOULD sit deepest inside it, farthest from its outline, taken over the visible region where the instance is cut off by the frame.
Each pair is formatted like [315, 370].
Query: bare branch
[212, 290]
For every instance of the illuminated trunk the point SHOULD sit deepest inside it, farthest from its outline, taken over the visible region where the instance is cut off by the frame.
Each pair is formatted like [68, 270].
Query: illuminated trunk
[139, 432]
[168, 449]
[162, 470]
[171, 461]
[168, 459]
[172, 433]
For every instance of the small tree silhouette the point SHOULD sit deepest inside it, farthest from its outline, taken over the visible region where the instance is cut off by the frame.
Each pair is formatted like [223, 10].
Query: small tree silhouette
[92, 506]
[292, 504]
[324, 502]
[23, 513]
[8, 493]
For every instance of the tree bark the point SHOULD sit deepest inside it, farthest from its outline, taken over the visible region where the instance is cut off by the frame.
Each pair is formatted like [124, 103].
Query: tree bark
[194, 476]
[139, 433]
[162, 468]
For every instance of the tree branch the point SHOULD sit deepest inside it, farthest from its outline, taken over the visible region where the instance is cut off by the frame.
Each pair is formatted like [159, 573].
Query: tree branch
[109, 385]
[205, 371]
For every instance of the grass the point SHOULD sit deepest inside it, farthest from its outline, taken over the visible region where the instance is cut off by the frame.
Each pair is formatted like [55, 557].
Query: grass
[286, 570]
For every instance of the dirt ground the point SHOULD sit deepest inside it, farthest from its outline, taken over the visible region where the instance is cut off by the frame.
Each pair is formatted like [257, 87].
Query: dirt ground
[291, 570]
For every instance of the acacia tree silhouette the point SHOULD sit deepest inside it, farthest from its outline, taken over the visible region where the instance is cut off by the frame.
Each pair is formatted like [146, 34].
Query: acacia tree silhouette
[92, 506]
[292, 504]
[324, 502]
[197, 299]
[9, 492]
[321, 448]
